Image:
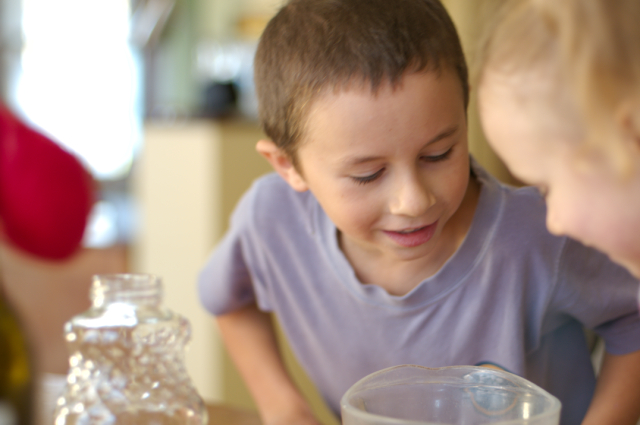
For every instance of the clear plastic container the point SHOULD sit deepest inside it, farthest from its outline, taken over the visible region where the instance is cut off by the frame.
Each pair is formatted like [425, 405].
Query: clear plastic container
[456, 395]
[127, 359]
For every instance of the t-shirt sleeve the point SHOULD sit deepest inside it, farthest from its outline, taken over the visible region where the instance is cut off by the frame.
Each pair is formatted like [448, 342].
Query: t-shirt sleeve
[600, 294]
[225, 283]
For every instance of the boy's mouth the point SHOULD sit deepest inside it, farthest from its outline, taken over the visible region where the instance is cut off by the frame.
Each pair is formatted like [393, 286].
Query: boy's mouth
[409, 238]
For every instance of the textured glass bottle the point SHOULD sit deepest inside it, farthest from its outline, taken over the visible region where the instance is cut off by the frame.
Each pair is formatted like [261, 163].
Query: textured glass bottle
[127, 359]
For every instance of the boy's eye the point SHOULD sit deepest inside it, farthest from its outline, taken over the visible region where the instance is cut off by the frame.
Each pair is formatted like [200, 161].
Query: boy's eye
[369, 178]
[441, 157]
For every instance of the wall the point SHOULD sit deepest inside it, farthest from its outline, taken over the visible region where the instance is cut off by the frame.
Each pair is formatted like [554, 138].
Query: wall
[177, 188]
[465, 15]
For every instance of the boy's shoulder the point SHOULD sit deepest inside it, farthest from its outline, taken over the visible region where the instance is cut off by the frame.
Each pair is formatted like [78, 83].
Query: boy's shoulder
[270, 182]
[515, 205]
[513, 219]
[270, 200]
[526, 203]
[524, 212]
[272, 191]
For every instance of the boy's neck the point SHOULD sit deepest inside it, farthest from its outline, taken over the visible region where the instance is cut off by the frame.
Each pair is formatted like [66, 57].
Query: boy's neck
[400, 277]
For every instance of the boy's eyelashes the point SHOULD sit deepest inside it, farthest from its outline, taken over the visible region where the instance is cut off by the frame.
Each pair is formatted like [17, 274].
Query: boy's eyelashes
[369, 178]
[441, 157]
[428, 158]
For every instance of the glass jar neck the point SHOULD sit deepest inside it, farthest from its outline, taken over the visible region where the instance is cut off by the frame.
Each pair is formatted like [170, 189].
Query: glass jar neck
[126, 288]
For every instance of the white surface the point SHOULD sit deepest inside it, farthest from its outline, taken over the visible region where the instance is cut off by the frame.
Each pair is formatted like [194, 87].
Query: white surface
[51, 386]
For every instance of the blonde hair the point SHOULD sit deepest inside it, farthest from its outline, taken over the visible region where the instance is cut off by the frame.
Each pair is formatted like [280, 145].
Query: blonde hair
[591, 46]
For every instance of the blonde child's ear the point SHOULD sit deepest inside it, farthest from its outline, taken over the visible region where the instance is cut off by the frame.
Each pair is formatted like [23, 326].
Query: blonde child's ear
[282, 164]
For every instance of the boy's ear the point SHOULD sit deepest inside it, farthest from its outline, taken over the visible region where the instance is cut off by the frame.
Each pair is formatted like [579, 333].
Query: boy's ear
[281, 162]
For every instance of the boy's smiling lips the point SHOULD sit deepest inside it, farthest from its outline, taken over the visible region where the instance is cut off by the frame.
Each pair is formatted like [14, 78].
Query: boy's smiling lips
[412, 237]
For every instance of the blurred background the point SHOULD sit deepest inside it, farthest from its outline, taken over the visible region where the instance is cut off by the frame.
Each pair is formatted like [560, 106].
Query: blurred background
[156, 98]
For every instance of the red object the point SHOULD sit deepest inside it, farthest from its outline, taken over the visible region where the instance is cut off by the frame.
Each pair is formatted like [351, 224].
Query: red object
[46, 194]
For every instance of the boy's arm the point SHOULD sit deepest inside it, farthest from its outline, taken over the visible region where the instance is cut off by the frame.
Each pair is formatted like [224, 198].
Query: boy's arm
[251, 341]
[617, 391]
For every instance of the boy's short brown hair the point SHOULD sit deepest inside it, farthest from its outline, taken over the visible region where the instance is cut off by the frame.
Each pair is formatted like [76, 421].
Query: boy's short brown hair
[313, 46]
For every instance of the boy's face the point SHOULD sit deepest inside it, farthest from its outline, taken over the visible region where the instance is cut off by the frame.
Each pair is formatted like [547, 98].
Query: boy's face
[586, 198]
[390, 169]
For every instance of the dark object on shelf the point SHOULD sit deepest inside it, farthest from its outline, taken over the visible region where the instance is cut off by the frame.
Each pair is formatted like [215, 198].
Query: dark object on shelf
[219, 100]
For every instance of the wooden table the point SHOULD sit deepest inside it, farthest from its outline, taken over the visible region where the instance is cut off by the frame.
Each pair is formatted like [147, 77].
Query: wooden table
[222, 414]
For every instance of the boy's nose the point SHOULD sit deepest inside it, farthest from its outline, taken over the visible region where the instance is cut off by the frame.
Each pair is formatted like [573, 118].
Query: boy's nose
[411, 197]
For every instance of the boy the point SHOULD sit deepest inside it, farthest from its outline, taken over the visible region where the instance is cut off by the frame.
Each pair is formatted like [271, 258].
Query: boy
[380, 242]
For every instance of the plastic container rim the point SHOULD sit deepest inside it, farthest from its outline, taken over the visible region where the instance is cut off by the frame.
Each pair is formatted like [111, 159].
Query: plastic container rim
[361, 415]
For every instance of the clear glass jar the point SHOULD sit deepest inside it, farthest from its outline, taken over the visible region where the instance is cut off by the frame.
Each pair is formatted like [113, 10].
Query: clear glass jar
[126, 363]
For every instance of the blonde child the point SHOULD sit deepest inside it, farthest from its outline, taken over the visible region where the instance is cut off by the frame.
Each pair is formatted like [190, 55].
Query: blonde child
[380, 241]
[559, 92]
[560, 101]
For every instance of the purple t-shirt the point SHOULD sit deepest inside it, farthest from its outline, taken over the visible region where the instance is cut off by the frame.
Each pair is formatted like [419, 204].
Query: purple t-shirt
[512, 295]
